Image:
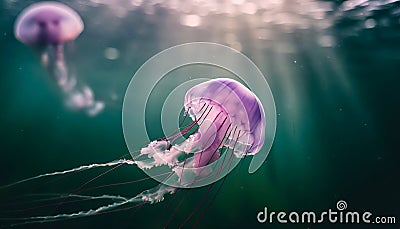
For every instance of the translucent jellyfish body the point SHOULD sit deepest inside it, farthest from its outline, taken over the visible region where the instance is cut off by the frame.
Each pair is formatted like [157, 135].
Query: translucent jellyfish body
[227, 119]
[47, 26]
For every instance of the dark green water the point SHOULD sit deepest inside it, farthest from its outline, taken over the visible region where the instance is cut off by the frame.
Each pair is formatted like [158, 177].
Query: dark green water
[336, 90]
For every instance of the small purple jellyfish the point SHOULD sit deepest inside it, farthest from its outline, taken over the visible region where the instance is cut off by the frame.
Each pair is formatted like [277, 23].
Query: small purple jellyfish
[228, 122]
[47, 26]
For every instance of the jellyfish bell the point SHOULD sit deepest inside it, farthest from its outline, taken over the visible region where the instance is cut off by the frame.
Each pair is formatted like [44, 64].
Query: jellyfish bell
[48, 23]
[47, 26]
[236, 102]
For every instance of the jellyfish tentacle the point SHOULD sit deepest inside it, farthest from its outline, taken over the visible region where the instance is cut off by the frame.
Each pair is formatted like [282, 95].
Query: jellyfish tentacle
[176, 208]
[169, 204]
[149, 196]
[223, 161]
[188, 129]
[79, 189]
[210, 203]
[52, 218]
[198, 206]
[201, 120]
[80, 198]
[233, 152]
[72, 195]
[77, 169]
[152, 195]
[125, 183]
[171, 139]
[198, 122]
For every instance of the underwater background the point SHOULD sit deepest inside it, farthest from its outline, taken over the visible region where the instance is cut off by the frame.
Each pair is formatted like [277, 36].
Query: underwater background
[332, 66]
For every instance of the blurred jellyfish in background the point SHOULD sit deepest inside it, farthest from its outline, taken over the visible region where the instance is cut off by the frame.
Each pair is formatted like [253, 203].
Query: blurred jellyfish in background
[48, 26]
[272, 32]
[228, 124]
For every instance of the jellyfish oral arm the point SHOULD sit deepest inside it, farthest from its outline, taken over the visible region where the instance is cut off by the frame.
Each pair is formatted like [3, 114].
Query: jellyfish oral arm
[60, 73]
[213, 132]
[77, 94]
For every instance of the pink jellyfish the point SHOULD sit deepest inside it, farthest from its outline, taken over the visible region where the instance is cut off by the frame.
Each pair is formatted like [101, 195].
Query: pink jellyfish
[228, 123]
[227, 117]
[47, 26]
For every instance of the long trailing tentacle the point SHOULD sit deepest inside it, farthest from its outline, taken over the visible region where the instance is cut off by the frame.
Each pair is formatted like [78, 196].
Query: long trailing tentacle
[153, 195]
[77, 169]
